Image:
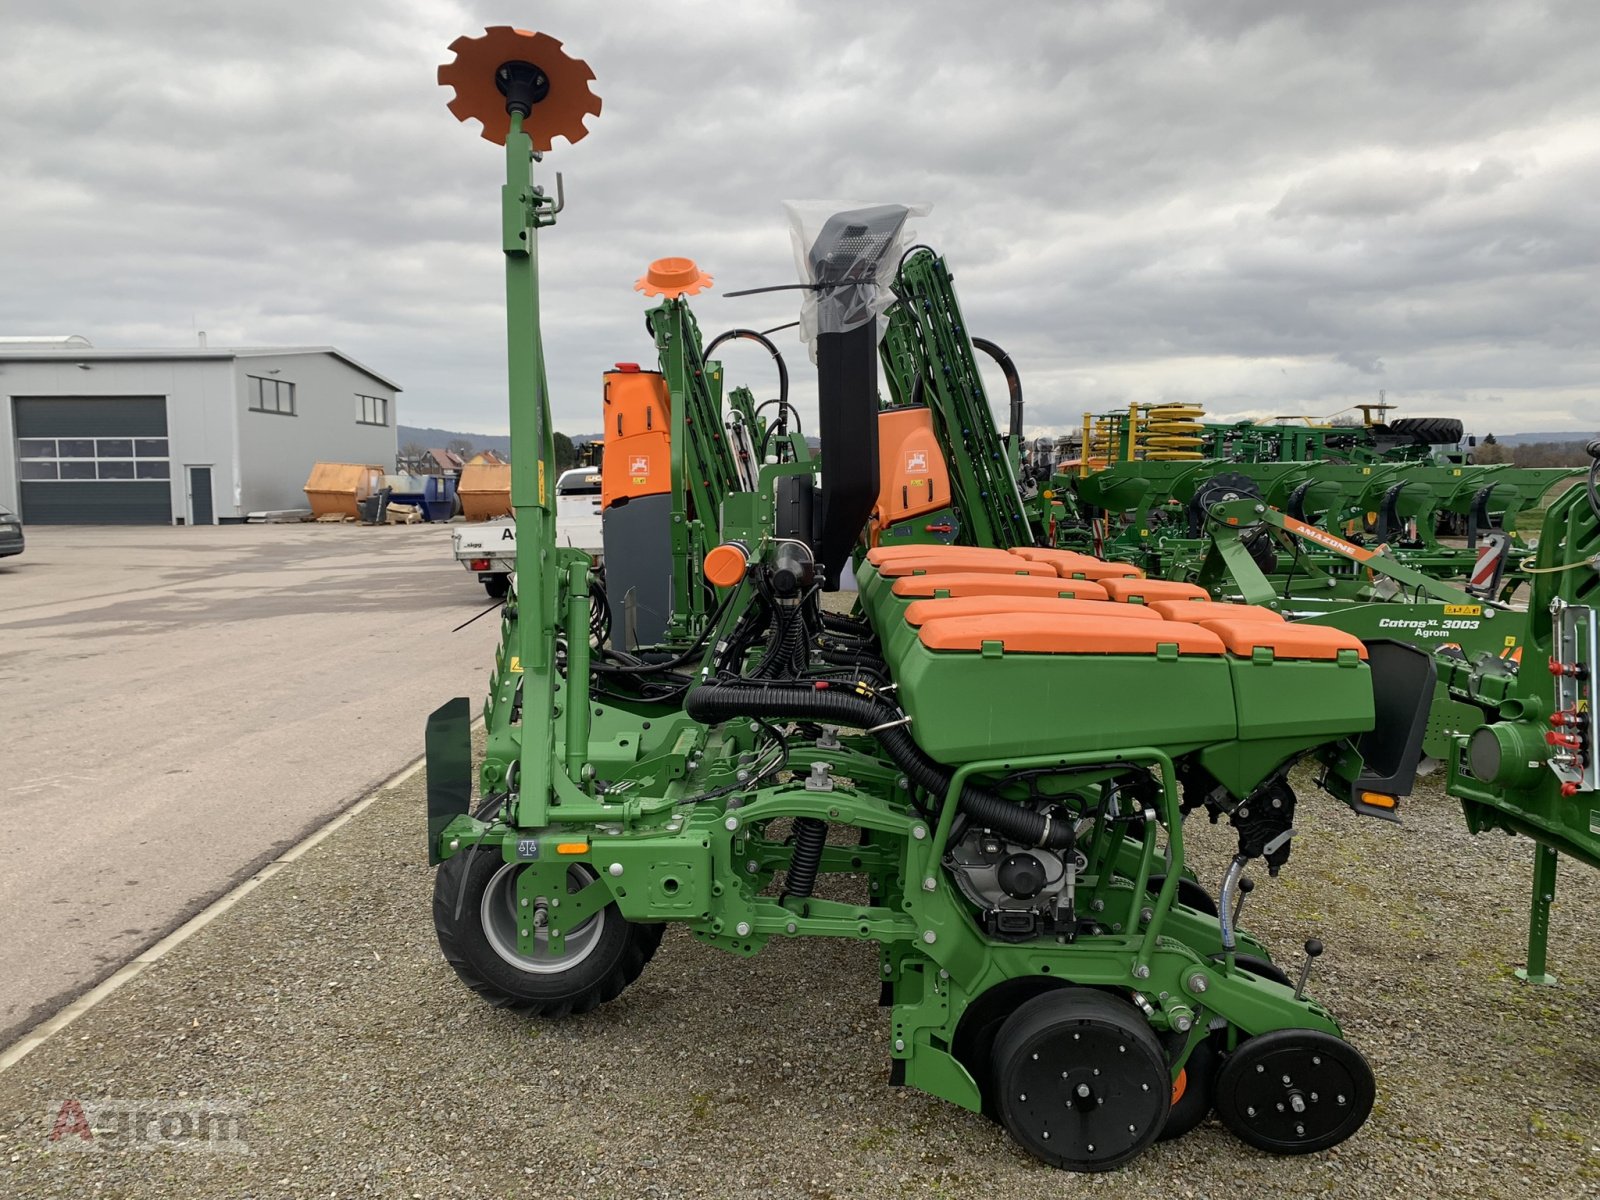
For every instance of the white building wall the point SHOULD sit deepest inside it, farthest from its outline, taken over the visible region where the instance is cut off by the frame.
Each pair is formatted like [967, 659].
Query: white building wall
[276, 452]
[200, 413]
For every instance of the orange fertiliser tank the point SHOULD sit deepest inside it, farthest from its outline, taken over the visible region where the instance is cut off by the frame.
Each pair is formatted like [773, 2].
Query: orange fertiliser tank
[638, 416]
[912, 478]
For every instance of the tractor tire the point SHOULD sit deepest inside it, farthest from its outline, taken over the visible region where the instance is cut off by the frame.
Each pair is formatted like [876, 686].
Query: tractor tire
[498, 586]
[1429, 431]
[601, 957]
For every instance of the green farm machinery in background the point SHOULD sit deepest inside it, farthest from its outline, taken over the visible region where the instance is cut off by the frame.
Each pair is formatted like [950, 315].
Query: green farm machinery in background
[1401, 485]
[990, 787]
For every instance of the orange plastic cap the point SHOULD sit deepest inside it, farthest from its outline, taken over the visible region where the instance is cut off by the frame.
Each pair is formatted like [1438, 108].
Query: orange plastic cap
[1039, 633]
[1289, 640]
[973, 583]
[1151, 590]
[725, 564]
[1208, 610]
[672, 277]
[879, 555]
[920, 612]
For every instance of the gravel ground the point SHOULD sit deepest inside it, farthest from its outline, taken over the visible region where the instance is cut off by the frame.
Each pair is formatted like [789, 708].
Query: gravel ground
[322, 1005]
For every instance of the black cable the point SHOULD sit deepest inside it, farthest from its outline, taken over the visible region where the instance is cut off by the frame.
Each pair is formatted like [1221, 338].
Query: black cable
[900, 267]
[691, 652]
[484, 814]
[713, 703]
[1013, 382]
[752, 336]
[484, 613]
[775, 737]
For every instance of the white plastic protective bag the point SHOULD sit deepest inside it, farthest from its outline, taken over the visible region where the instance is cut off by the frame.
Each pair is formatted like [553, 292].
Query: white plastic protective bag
[856, 248]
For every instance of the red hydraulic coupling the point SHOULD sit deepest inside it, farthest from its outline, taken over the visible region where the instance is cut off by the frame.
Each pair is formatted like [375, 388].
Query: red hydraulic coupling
[1569, 788]
[1565, 717]
[1574, 670]
[1571, 740]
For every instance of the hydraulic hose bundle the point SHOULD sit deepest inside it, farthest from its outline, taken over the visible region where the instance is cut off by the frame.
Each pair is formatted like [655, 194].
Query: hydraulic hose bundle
[717, 702]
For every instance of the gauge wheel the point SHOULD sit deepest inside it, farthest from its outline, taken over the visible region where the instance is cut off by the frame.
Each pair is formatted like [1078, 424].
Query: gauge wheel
[477, 918]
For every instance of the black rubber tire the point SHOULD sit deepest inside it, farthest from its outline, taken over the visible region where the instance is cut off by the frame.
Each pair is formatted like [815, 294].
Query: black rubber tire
[1036, 1028]
[1200, 1080]
[1190, 893]
[1239, 1086]
[1429, 431]
[498, 586]
[615, 959]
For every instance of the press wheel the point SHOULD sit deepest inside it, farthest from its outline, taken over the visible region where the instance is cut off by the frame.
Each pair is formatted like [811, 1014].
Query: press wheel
[1295, 1091]
[1080, 1079]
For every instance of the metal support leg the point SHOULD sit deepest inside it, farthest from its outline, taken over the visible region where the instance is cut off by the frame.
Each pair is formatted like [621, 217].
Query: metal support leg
[1544, 894]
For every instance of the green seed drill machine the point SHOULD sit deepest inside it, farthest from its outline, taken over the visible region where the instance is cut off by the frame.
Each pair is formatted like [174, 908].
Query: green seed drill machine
[984, 772]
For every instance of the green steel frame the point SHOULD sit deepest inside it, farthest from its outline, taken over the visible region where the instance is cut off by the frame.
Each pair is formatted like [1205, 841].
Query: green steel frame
[928, 358]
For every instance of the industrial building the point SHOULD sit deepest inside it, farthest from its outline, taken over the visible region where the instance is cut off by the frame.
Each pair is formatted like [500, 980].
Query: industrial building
[188, 436]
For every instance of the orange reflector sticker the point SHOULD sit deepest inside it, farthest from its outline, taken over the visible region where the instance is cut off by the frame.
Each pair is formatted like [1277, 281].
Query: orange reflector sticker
[1378, 799]
[572, 847]
[1180, 1084]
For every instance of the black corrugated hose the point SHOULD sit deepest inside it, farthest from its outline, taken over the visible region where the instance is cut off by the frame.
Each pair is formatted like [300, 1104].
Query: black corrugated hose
[717, 702]
[810, 836]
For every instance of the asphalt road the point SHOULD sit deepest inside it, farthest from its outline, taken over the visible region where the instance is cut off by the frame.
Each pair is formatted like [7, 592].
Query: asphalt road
[177, 705]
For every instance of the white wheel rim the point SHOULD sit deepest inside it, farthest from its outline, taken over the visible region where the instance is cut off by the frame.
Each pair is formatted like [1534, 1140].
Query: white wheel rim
[501, 915]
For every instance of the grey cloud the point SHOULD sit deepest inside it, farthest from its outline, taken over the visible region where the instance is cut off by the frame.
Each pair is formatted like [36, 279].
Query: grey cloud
[1251, 205]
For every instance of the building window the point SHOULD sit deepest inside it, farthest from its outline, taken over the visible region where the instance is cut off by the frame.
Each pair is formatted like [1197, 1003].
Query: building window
[271, 396]
[83, 459]
[374, 410]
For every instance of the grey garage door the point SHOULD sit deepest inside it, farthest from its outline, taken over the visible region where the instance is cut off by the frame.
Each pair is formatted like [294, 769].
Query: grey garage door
[93, 460]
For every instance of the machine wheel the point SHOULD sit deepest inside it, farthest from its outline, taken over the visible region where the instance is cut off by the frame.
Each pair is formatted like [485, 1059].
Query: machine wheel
[602, 956]
[1228, 485]
[498, 586]
[1191, 1093]
[1430, 431]
[1080, 1079]
[1190, 893]
[1295, 1091]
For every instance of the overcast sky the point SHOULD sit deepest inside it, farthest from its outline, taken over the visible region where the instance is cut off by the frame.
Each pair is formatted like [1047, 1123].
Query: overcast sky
[1264, 207]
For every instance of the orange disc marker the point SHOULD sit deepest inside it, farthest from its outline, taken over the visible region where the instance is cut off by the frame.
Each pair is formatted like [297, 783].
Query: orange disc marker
[726, 564]
[1180, 1085]
[672, 277]
[475, 75]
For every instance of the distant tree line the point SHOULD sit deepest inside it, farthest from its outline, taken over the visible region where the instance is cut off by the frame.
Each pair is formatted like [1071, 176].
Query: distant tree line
[566, 452]
[1532, 454]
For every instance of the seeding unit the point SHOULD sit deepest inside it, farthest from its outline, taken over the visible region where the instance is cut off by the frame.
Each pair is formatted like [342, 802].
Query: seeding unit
[985, 771]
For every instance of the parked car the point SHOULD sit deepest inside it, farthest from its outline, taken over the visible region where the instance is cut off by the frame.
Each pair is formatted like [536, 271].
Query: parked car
[490, 549]
[10, 533]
